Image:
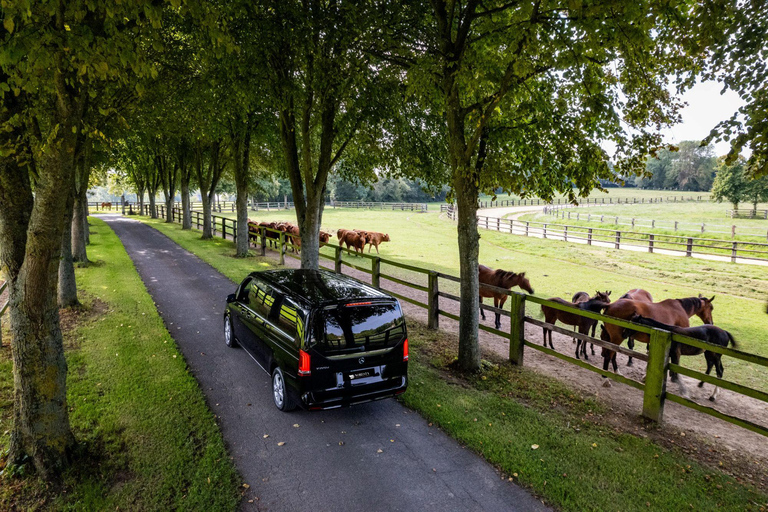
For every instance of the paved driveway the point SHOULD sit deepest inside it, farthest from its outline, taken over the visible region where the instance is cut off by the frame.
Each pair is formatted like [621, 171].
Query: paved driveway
[330, 460]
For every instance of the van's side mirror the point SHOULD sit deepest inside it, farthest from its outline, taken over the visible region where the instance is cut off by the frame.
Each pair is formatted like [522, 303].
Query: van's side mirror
[231, 298]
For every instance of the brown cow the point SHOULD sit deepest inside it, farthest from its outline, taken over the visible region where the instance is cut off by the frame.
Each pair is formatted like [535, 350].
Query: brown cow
[374, 239]
[355, 240]
[500, 279]
[324, 238]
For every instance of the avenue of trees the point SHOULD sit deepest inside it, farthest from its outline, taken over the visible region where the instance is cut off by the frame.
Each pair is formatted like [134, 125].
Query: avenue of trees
[319, 97]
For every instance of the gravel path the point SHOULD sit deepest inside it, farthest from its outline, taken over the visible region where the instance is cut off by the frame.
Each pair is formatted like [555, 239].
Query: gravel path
[330, 459]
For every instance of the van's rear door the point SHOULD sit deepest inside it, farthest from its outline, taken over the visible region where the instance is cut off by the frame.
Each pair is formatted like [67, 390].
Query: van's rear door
[352, 343]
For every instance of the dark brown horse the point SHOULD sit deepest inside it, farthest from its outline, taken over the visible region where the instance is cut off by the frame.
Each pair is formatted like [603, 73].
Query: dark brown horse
[500, 279]
[635, 294]
[583, 324]
[709, 333]
[671, 312]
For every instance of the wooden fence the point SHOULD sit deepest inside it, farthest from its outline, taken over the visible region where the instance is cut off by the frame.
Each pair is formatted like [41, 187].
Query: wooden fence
[565, 213]
[652, 242]
[582, 202]
[748, 214]
[657, 360]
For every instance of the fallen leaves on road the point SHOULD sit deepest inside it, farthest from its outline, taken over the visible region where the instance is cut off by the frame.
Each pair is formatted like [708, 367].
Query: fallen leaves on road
[534, 447]
[281, 443]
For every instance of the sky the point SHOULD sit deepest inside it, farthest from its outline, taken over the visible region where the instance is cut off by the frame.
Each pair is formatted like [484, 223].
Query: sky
[706, 107]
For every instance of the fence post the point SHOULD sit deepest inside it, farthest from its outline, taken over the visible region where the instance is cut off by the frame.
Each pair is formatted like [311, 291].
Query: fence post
[689, 247]
[733, 231]
[565, 233]
[517, 328]
[702, 227]
[337, 260]
[618, 240]
[527, 225]
[675, 225]
[545, 231]
[282, 248]
[376, 272]
[733, 253]
[656, 375]
[433, 302]
[498, 224]
[234, 231]
[224, 229]
[589, 236]
[650, 243]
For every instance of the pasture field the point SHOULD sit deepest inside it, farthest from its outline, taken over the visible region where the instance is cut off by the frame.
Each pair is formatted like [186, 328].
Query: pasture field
[581, 461]
[615, 192]
[147, 440]
[559, 269]
[690, 216]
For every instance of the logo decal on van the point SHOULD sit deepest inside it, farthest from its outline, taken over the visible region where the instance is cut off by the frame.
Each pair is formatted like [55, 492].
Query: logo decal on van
[361, 360]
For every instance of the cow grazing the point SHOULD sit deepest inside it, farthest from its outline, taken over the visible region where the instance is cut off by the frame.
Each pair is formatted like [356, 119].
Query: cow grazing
[374, 239]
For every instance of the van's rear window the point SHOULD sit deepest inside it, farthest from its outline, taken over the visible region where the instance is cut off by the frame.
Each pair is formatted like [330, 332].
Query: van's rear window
[361, 328]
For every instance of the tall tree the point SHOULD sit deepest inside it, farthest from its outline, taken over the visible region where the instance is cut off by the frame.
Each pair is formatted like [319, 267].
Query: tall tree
[529, 90]
[730, 182]
[52, 55]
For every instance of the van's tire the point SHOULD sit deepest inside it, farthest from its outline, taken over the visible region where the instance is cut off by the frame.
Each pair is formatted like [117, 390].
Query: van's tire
[279, 391]
[229, 335]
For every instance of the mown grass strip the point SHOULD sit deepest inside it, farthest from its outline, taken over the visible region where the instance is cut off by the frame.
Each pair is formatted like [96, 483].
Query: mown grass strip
[147, 438]
[580, 463]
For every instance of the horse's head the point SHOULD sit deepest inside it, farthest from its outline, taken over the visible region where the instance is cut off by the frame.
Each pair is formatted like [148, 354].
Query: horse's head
[523, 282]
[603, 296]
[705, 311]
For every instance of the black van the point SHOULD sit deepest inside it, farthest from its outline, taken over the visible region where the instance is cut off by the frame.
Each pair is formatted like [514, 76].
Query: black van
[326, 339]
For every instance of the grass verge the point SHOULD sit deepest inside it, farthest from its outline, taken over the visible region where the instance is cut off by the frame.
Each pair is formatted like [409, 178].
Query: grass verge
[581, 462]
[147, 440]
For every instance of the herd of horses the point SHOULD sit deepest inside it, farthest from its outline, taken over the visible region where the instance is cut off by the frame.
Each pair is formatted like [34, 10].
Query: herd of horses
[635, 306]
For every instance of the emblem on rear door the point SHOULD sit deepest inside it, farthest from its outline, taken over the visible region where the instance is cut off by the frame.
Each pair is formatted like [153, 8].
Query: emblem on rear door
[361, 360]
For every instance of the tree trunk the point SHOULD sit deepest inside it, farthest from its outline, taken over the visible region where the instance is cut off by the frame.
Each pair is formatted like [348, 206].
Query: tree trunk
[84, 216]
[309, 230]
[79, 225]
[469, 251]
[140, 200]
[31, 233]
[241, 142]
[168, 208]
[186, 212]
[67, 296]
[207, 231]
[152, 206]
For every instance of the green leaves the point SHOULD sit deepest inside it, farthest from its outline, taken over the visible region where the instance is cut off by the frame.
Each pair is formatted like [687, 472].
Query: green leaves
[9, 24]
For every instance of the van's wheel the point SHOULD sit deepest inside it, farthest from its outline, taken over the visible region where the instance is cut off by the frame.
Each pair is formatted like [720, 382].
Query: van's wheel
[279, 391]
[229, 336]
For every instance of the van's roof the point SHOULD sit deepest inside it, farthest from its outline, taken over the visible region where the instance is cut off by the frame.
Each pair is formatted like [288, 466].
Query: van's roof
[317, 287]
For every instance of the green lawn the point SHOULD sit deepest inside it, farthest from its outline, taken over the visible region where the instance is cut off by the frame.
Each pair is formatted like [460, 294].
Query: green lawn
[147, 438]
[581, 462]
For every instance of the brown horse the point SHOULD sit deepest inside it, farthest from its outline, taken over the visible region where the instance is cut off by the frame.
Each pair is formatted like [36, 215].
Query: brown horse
[635, 294]
[671, 312]
[552, 315]
[500, 279]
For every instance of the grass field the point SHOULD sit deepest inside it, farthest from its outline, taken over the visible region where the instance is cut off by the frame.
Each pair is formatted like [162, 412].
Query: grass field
[579, 462]
[147, 438]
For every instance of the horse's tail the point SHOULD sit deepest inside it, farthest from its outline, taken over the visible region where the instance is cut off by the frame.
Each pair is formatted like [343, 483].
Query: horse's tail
[730, 338]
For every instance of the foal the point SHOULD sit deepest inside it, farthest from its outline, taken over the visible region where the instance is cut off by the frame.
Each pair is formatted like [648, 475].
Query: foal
[709, 333]
[552, 315]
[500, 279]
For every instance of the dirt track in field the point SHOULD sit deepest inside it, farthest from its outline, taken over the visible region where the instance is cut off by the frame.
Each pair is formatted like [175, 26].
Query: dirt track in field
[714, 438]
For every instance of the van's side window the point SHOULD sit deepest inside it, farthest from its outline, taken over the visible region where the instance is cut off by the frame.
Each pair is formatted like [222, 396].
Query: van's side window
[260, 298]
[242, 294]
[290, 320]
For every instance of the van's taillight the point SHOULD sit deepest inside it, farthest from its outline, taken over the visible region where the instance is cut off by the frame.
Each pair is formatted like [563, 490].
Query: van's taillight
[405, 350]
[304, 364]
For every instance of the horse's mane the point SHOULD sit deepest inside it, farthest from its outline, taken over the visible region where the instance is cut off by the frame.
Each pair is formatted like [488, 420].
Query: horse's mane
[690, 304]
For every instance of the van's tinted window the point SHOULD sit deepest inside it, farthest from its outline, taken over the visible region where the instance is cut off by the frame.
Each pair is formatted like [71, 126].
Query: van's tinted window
[360, 328]
[260, 298]
[289, 319]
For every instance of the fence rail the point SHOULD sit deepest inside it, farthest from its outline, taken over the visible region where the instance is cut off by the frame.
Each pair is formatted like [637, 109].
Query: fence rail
[713, 248]
[565, 213]
[582, 202]
[657, 360]
[748, 214]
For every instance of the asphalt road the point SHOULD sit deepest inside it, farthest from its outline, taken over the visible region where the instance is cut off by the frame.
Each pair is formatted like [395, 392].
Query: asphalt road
[371, 457]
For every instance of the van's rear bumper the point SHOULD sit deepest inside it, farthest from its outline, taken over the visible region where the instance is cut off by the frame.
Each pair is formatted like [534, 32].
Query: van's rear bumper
[332, 399]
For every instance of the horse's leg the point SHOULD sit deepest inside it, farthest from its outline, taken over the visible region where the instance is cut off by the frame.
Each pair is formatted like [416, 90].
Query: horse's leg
[674, 358]
[719, 369]
[606, 362]
[497, 305]
[545, 336]
[710, 365]
[584, 329]
[482, 313]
